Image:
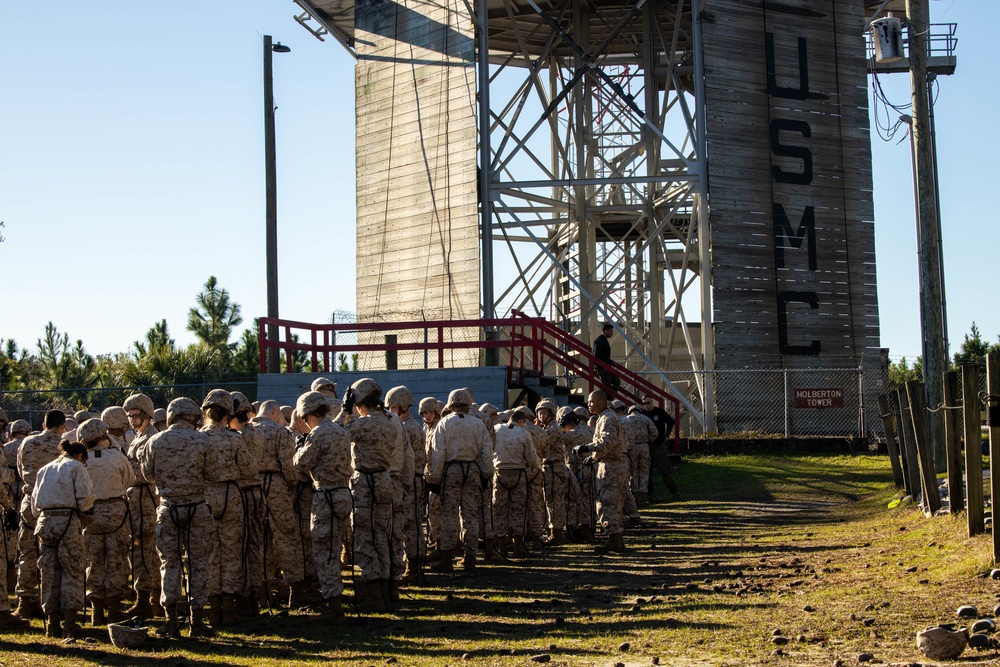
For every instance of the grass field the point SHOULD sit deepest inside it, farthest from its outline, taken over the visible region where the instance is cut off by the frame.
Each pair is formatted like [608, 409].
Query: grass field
[800, 546]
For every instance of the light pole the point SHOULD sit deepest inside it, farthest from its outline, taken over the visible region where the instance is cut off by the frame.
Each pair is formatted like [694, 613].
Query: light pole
[271, 233]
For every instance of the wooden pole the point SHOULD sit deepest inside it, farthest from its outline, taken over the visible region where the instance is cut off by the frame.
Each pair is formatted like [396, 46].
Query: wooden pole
[953, 439]
[993, 419]
[973, 450]
[925, 451]
[909, 444]
[890, 439]
[935, 357]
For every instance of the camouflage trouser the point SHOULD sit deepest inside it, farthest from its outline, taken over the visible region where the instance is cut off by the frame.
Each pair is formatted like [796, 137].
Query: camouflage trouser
[640, 467]
[27, 549]
[510, 498]
[372, 522]
[302, 501]
[331, 518]
[434, 519]
[555, 477]
[254, 516]
[399, 517]
[536, 505]
[461, 494]
[10, 535]
[283, 539]
[62, 559]
[612, 479]
[413, 529]
[227, 569]
[629, 508]
[185, 529]
[142, 505]
[588, 493]
[578, 514]
[108, 539]
[486, 513]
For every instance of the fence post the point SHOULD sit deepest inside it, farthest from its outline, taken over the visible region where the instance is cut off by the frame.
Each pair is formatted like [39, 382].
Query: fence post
[925, 448]
[788, 412]
[910, 466]
[973, 451]
[862, 422]
[953, 442]
[993, 421]
[890, 440]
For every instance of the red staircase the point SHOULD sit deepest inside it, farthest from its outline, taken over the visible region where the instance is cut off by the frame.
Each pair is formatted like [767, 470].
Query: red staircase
[530, 347]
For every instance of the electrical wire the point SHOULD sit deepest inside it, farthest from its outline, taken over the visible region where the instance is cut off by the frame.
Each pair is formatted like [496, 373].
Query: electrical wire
[882, 110]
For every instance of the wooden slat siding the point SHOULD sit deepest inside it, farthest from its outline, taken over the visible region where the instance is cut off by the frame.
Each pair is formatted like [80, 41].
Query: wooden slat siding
[488, 384]
[417, 204]
[746, 281]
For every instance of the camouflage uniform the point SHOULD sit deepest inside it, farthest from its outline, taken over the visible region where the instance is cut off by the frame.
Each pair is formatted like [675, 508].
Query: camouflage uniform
[279, 478]
[325, 456]
[226, 460]
[460, 456]
[35, 451]
[486, 503]
[609, 450]
[581, 481]
[514, 459]
[108, 534]
[142, 507]
[434, 499]
[643, 432]
[13, 485]
[176, 460]
[413, 497]
[373, 439]
[401, 474]
[629, 508]
[254, 507]
[7, 496]
[536, 482]
[555, 475]
[60, 494]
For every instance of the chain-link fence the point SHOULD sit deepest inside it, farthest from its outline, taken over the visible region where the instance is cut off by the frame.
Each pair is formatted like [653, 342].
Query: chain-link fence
[786, 402]
[32, 405]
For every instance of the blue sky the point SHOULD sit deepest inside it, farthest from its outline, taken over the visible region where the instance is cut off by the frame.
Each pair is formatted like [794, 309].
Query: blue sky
[132, 168]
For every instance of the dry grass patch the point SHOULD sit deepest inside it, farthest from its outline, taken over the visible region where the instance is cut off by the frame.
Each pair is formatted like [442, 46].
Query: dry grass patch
[801, 545]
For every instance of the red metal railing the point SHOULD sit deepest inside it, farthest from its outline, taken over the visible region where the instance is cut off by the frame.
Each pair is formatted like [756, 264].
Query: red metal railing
[532, 346]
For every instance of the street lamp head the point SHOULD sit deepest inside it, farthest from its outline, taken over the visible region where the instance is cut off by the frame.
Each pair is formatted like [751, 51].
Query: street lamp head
[280, 48]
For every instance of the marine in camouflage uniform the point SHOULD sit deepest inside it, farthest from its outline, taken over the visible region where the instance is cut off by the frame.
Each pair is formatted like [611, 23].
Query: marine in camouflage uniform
[19, 430]
[413, 496]
[459, 466]
[226, 460]
[142, 507]
[555, 473]
[582, 513]
[630, 509]
[9, 490]
[536, 483]
[62, 492]
[279, 478]
[514, 459]
[405, 527]
[107, 535]
[430, 415]
[373, 438]
[323, 454]
[487, 532]
[176, 460]
[254, 587]
[608, 448]
[643, 432]
[35, 451]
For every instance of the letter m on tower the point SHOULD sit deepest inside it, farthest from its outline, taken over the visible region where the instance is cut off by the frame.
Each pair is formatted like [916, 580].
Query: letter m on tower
[784, 232]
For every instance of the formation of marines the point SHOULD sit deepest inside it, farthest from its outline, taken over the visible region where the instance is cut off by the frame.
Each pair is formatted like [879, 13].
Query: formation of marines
[211, 512]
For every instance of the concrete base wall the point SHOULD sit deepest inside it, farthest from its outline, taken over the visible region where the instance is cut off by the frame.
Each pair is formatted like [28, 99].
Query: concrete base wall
[488, 384]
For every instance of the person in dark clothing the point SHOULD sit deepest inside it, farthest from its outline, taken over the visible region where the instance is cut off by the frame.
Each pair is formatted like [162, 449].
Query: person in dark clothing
[602, 350]
[658, 449]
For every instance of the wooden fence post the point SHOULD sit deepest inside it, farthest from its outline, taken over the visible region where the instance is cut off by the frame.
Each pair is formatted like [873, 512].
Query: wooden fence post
[925, 449]
[953, 442]
[890, 439]
[909, 444]
[993, 419]
[973, 450]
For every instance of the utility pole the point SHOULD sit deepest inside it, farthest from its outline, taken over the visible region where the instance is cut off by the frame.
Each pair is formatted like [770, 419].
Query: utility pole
[935, 360]
[271, 205]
